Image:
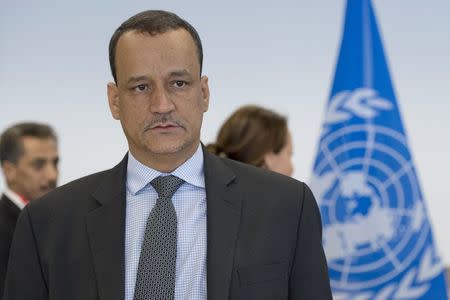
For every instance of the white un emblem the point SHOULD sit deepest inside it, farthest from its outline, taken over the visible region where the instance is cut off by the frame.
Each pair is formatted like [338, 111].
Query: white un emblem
[375, 223]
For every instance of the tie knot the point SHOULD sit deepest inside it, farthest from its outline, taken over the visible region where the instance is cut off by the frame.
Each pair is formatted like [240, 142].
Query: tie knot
[166, 186]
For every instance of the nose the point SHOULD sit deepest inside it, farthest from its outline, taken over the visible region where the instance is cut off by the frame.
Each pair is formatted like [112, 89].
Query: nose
[51, 173]
[161, 102]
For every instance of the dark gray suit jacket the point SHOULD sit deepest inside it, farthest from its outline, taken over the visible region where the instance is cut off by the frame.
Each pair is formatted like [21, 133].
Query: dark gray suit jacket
[9, 212]
[264, 238]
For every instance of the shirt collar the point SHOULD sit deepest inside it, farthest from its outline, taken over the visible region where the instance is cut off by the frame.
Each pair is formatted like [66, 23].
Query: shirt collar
[15, 198]
[140, 175]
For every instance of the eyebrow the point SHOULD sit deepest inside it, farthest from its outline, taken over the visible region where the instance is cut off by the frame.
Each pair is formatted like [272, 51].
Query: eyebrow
[44, 159]
[183, 72]
[175, 73]
[133, 79]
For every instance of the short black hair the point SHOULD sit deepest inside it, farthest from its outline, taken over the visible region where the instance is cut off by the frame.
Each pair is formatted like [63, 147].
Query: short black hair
[11, 145]
[152, 22]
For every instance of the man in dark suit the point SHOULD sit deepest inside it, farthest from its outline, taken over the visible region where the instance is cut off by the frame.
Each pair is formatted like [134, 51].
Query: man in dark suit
[170, 221]
[29, 157]
[9, 212]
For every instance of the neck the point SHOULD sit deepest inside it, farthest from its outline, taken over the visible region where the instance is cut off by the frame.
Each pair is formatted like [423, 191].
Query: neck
[16, 198]
[14, 190]
[166, 162]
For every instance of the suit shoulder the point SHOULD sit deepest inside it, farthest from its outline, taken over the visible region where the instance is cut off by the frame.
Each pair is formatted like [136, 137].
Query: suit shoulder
[265, 179]
[261, 187]
[266, 191]
[8, 218]
[86, 183]
[72, 195]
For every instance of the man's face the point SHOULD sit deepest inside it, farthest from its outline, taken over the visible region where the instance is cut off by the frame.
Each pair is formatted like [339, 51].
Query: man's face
[160, 97]
[36, 171]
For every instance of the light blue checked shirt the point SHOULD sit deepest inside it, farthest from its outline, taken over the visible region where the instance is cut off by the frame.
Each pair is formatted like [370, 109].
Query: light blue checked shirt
[190, 205]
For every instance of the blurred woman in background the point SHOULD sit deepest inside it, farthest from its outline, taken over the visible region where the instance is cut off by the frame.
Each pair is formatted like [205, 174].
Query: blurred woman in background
[256, 136]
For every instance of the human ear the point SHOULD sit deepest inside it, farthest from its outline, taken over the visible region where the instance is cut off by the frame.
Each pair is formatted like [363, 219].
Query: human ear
[9, 171]
[270, 161]
[113, 100]
[205, 92]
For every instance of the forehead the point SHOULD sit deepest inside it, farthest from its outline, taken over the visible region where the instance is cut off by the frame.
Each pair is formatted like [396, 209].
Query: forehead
[39, 147]
[143, 52]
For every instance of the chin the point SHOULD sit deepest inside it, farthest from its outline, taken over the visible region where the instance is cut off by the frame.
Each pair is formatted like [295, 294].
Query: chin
[172, 147]
[39, 195]
[167, 149]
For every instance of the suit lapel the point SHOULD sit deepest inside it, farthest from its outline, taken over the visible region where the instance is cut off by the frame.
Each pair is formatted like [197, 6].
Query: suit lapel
[106, 232]
[223, 215]
[106, 229]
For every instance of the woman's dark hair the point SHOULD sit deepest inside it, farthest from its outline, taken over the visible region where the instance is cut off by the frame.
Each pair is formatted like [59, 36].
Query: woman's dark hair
[249, 134]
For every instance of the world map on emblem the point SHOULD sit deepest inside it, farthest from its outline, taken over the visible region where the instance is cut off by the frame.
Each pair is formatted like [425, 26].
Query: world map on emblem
[375, 224]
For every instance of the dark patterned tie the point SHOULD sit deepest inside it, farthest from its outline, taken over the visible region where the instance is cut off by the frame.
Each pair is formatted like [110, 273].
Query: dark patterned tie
[156, 272]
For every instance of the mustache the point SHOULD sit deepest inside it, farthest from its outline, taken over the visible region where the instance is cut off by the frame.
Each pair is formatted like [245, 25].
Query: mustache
[165, 119]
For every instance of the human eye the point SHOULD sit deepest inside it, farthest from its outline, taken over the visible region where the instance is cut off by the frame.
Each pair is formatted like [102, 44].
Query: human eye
[38, 164]
[140, 88]
[179, 83]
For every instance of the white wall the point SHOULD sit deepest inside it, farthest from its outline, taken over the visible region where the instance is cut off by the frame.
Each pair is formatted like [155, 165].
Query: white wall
[54, 68]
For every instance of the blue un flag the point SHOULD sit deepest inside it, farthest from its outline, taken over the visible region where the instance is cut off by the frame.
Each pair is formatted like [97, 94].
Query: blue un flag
[376, 233]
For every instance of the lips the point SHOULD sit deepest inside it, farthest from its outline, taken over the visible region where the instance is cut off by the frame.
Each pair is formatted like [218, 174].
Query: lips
[164, 126]
[164, 122]
[47, 188]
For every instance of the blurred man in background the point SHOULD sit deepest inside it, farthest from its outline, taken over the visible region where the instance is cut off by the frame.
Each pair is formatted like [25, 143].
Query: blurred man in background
[29, 161]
